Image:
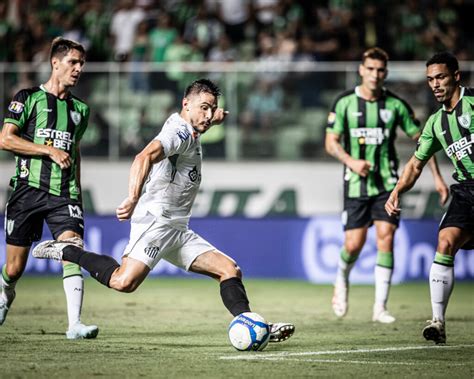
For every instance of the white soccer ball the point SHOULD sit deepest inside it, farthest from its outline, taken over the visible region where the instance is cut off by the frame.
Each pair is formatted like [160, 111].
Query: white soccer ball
[249, 331]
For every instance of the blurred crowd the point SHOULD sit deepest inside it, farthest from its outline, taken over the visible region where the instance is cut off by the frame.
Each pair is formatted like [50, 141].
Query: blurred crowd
[236, 30]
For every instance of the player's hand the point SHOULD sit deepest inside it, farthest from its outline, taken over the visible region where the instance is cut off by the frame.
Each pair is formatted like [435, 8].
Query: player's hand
[443, 191]
[60, 157]
[219, 116]
[125, 210]
[360, 167]
[392, 204]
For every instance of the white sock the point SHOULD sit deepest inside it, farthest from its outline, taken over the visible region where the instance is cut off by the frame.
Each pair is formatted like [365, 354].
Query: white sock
[74, 290]
[441, 286]
[343, 271]
[8, 291]
[383, 280]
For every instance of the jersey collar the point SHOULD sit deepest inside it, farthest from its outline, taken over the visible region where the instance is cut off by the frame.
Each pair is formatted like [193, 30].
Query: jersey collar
[460, 98]
[358, 94]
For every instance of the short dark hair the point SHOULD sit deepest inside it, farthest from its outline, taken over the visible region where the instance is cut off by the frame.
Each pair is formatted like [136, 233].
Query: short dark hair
[446, 58]
[375, 53]
[60, 47]
[202, 85]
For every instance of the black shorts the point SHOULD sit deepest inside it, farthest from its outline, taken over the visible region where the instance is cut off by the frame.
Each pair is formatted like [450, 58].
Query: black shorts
[28, 207]
[363, 211]
[460, 212]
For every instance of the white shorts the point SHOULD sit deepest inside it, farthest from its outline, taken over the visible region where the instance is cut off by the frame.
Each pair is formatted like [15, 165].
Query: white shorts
[150, 241]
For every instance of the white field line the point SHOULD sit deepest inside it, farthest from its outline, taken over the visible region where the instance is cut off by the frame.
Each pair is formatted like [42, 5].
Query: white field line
[258, 356]
[366, 362]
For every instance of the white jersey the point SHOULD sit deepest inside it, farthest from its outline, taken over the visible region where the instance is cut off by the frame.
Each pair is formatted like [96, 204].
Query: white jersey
[173, 183]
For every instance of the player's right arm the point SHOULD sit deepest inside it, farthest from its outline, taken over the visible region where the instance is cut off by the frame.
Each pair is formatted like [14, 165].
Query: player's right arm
[335, 149]
[11, 141]
[141, 167]
[410, 175]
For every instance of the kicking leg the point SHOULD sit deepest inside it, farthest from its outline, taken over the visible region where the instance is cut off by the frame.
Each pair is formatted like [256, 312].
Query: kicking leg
[233, 294]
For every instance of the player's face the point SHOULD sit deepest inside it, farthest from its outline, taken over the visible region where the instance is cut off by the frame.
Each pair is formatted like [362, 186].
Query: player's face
[373, 73]
[69, 68]
[199, 109]
[442, 82]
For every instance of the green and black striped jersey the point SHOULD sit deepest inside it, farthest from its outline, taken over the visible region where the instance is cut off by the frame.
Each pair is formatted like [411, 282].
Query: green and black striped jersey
[454, 132]
[368, 130]
[43, 118]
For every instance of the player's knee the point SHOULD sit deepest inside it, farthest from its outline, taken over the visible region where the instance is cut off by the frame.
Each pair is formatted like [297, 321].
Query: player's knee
[445, 245]
[230, 270]
[124, 284]
[14, 271]
[353, 247]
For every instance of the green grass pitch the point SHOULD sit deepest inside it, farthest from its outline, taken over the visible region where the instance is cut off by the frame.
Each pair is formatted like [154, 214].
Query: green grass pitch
[177, 328]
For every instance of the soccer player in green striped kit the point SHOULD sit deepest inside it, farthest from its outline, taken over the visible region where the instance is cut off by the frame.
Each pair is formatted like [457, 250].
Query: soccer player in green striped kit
[361, 133]
[450, 129]
[43, 127]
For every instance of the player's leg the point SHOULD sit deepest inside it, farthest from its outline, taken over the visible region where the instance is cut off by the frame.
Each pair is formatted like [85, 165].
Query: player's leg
[450, 239]
[224, 269]
[23, 226]
[383, 270]
[16, 259]
[455, 231]
[355, 220]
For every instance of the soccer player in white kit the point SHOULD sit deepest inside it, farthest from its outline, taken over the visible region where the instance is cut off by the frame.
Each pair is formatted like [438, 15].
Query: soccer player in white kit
[164, 181]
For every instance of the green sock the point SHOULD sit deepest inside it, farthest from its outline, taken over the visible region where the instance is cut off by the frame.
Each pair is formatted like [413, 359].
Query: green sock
[71, 269]
[443, 259]
[384, 259]
[348, 258]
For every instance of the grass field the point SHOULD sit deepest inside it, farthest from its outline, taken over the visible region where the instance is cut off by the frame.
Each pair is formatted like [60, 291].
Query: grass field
[176, 328]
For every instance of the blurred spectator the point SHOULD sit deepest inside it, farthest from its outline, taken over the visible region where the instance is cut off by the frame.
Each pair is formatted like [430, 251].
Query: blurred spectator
[97, 18]
[235, 15]
[162, 36]
[222, 51]
[139, 78]
[262, 110]
[6, 33]
[205, 28]
[123, 27]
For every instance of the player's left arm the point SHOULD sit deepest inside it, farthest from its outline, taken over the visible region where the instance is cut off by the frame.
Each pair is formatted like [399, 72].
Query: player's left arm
[141, 167]
[440, 184]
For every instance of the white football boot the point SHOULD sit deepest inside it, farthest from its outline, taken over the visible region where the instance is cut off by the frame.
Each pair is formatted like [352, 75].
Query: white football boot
[280, 331]
[381, 315]
[4, 308]
[80, 331]
[53, 249]
[339, 299]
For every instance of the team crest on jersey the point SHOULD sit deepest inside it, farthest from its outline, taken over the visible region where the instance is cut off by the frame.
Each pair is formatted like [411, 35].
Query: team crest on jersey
[16, 107]
[331, 118]
[465, 120]
[386, 115]
[75, 117]
[10, 226]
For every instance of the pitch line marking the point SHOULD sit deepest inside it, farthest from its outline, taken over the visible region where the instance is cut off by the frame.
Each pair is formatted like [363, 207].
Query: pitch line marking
[332, 352]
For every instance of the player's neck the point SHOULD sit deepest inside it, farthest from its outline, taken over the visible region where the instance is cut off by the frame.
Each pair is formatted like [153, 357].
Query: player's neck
[453, 101]
[368, 94]
[55, 88]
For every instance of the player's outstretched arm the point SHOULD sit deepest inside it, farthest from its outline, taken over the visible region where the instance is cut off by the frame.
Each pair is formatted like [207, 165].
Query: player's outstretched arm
[12, 142]
[139, 171]
[335, 149]
[410, 175]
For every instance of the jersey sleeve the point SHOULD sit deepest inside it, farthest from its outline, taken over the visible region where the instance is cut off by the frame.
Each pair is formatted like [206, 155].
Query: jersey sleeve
[174, 140]
[336, 118]
[427, 144]
[84, 123]
[18, 110]
[408, 122]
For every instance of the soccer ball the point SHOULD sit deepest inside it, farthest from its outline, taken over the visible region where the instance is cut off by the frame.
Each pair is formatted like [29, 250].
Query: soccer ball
[249, 331]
